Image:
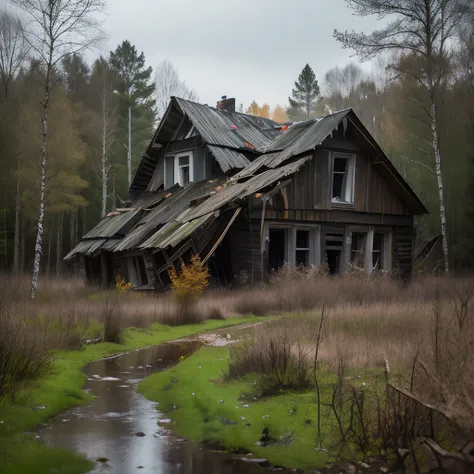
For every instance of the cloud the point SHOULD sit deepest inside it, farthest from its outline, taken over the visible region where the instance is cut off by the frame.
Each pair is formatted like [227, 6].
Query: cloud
[248, 49]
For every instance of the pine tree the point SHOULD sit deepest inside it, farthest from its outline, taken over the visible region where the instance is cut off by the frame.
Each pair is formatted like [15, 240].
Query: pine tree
[305, 94]
[135, 109]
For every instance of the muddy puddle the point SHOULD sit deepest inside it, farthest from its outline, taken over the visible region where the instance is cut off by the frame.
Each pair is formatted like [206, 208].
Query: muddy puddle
[119, 429]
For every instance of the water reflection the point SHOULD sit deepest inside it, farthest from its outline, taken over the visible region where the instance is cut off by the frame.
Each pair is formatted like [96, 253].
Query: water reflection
[108, 427]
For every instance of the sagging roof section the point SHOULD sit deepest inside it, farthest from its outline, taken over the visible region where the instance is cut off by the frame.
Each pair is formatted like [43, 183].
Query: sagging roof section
[259, 147]
[228, 158]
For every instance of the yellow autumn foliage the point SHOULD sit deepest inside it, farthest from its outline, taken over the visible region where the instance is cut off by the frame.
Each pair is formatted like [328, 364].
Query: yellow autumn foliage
[190, 280]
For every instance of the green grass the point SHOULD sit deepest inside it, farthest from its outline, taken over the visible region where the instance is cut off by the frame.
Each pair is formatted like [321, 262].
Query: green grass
[200, 415]
[61, 389]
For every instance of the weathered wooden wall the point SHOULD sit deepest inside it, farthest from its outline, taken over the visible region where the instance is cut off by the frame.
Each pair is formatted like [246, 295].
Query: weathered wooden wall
[245, 244]
[311, 187]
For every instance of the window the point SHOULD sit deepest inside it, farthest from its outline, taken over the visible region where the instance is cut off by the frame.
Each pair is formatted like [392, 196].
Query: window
[294, 246]
[137, 275]
[358, 243]
[179, 169]
[302, 248]
[378, 251]
[343, 178]
[183, 170]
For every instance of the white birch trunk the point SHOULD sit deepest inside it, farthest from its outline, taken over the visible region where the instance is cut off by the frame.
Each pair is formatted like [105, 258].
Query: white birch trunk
[129, 154]
[104, 156]
[439, 176]
[40, 229]
[17, 246]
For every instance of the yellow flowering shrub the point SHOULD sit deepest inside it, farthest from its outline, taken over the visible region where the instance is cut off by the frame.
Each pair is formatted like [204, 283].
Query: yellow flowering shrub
[190, 280]
[121, 284]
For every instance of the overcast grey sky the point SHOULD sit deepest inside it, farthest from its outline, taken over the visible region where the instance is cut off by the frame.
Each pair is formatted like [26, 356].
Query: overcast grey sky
[247, 49]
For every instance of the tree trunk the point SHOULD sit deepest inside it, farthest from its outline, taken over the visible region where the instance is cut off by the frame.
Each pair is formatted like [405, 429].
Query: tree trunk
[72, 220]
[439, 176]
[59, 245]
[22, 243]
[16, 245]
[129, 155]
[40, 230]
[114, 202]
[104, 157]
[48, 262]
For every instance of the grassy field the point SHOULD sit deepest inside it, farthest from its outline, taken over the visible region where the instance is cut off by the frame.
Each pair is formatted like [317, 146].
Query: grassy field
[424, 329]
[61, 389]
[236, 423]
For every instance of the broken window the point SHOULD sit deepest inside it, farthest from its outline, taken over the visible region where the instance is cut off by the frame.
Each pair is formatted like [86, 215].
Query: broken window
[358, 243]
[302, 248]
[179, 169]
[184, 170]
[343, 178]
[136, 270]
[378, 251]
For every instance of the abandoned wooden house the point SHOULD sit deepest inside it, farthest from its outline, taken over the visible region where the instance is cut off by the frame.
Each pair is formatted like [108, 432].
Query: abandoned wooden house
[250, 195]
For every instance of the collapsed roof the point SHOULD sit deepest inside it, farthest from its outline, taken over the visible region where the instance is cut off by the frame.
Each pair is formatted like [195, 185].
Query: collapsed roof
[264, 151]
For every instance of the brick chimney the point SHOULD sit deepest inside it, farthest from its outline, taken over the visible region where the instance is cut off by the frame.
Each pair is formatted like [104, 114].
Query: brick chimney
[226, 104]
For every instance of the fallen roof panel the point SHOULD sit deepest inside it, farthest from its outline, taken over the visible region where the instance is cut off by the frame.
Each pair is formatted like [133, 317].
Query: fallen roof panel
[110, 226]
[173, 233]
[169, 209]
[228, 158]
[234, 191]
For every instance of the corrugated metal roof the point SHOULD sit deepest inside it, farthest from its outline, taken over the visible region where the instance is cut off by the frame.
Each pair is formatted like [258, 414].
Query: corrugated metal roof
[228, 129]
[306, 136]
[298, 139]
[110, 226]
[173, 233]
[227, 158]
[169, 209]
[236, 191]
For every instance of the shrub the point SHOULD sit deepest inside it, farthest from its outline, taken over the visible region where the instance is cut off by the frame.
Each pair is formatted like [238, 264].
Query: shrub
[187, 284]
[112, 321]
[24, 355]
[277, 355]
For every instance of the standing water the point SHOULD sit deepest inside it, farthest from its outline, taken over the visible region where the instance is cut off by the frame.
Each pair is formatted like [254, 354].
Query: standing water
[120, 429]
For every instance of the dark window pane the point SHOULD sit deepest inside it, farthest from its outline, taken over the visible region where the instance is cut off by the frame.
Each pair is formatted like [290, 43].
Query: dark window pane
[184, 176]
[302, 257]
[337, 185]
[183, 160]
[340, 165]
[302, 239]
[358, 248]
[377, 254]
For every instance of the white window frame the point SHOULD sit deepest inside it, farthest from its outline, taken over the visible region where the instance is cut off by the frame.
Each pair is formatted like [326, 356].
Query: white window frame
[177, 167]
[290, 250]
[350, 171]
[369, 246]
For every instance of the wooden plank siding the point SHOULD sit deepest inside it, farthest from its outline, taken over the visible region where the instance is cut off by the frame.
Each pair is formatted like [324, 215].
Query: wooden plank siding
[246, 257]
[311, 187]
[402, 251]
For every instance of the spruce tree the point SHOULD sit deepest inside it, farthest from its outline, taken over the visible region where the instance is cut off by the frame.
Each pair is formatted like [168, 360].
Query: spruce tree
[305, 95]
[135, 90]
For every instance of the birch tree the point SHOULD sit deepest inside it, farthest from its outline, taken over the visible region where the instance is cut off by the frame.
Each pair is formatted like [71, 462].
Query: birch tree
[420, 30]
[102, 82]
[55, 30]
[168, 84]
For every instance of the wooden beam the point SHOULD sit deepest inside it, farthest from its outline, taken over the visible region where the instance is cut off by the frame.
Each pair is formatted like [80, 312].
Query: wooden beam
[221, 238]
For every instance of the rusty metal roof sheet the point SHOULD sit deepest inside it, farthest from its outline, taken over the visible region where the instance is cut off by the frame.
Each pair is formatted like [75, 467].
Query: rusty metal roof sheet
[234, 191]
[306, 136]
[298, 139]
[228, 158]
[229, 129]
